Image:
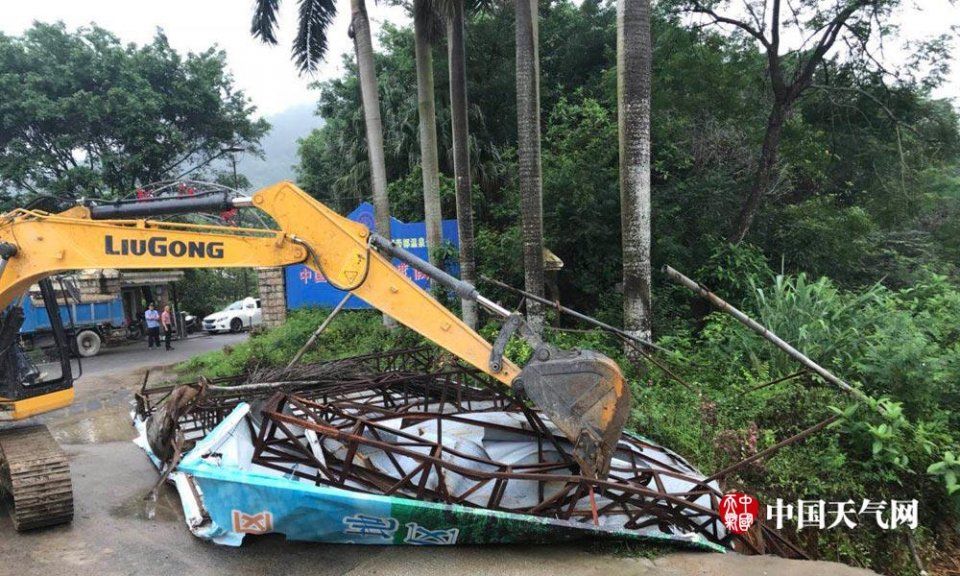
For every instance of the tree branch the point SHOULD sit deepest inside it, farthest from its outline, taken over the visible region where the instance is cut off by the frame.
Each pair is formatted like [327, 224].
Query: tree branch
[863, 48]
[718, 19]
[886, 110]
[189, 153]
[775, 26]
[897, 123]
[831, 31]
[773, 52]
[757, 20]
[794, 11]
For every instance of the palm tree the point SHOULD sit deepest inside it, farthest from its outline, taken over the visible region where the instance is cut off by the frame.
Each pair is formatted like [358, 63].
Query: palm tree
[370, 95]
[309, 48]
[633, 106]
[460, 130]
[424, 25]
[528, 149]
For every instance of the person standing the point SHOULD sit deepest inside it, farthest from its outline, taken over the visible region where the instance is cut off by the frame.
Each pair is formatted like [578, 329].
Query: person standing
[166, 321]
[153, 326]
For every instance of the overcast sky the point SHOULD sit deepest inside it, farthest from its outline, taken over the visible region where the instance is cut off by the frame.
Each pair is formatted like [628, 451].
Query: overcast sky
[267, 74]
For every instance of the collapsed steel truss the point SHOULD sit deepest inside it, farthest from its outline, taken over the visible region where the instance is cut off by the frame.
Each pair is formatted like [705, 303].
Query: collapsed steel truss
[323, 424]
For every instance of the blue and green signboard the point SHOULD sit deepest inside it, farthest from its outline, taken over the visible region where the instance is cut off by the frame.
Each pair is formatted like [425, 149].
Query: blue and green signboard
[308, 288]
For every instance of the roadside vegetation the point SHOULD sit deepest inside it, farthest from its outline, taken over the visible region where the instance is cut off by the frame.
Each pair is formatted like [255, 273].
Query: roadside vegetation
[350, 334]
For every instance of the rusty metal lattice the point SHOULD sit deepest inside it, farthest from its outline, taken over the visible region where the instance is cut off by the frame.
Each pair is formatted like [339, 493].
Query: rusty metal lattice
[388, 424]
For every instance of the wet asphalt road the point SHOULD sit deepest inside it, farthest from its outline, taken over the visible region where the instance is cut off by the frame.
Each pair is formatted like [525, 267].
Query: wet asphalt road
[128, 357]
[107, 380]
[113, 535]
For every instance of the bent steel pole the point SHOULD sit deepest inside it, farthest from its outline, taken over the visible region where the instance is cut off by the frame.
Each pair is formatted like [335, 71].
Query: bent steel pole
[316, 333]
[763, 331]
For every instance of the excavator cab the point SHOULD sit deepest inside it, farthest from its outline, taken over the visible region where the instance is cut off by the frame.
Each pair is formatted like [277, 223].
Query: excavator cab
[34, 471]
[40, 379]
[36, 373]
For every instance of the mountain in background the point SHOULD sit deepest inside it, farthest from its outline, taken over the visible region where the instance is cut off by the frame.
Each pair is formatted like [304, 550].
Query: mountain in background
[279, 147]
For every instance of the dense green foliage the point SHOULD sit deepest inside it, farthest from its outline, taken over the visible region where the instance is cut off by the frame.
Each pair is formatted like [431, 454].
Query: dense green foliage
[848, 203]
[349, 334]
[898, 346]
[83, 115]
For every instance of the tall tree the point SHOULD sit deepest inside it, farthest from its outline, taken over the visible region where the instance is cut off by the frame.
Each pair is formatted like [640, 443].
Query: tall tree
[634, 54]
[82, 113]
[370, 94]
[819, 25]
[528, 150]
[309, 48]
[460, 129]
[424, 29]
[369, 91]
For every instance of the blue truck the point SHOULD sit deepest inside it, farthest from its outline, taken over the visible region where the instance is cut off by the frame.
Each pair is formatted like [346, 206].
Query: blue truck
[93, 323]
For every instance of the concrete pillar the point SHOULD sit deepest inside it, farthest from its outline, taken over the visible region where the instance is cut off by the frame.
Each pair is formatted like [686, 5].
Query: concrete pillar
[273, 296]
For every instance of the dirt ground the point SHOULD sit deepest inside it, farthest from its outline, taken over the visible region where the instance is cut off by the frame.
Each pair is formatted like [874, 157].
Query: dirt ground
[112, 534]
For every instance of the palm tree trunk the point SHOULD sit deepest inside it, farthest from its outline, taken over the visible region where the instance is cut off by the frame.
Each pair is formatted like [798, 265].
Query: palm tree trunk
[460, 127]
[370, 94]
[428, 134]
[633, 106]
[528, 149]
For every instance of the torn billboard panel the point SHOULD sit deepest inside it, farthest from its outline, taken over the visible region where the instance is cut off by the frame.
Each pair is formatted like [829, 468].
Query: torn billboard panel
[406, 449]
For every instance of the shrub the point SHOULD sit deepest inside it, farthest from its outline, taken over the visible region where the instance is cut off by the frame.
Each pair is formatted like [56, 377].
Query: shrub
[898, 346]
[351, 333]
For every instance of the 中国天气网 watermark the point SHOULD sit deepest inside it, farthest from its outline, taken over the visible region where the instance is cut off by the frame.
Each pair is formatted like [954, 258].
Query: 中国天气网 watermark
[739, 511]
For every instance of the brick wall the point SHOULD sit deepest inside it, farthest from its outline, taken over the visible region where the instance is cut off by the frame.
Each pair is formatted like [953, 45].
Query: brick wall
[273, 297]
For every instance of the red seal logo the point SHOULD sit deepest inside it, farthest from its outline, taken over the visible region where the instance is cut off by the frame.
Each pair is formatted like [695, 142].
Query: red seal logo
[739, 511]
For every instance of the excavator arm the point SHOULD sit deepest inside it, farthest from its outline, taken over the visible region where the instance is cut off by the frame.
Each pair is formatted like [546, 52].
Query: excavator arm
[582, 392]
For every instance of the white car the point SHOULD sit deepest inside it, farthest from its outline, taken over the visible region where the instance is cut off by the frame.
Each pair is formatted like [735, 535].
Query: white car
[241, 315]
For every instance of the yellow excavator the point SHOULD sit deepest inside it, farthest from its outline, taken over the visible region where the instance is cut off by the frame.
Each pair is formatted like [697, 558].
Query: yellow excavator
[582, 392]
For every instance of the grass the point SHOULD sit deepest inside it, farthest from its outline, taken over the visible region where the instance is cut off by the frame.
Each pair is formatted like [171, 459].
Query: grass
[349, 334]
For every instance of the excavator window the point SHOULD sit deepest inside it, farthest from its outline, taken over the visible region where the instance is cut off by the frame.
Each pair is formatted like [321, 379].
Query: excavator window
[41, 369]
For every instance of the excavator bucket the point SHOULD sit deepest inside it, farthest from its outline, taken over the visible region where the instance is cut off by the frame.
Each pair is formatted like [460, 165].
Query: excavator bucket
[585, 395]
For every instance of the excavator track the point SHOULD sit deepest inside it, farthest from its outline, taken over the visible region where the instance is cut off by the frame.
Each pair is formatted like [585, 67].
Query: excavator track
[35, 472]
